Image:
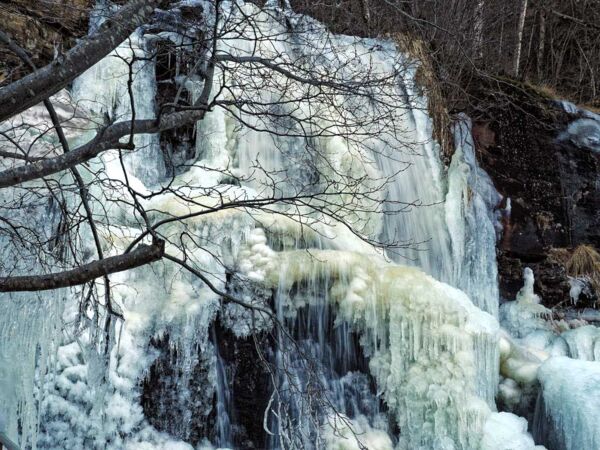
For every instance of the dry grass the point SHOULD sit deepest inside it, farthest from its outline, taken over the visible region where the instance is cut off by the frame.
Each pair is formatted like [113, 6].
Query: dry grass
[585, 262]
[544, 90]
[551, 93]
[559, 255]
[427, 79]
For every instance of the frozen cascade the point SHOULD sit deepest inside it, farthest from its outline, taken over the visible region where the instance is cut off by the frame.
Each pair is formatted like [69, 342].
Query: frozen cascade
[472, 218]
[336, 363]
[31, 322]
[563, 357]
[531, 324]
[394, 346]
[223, 395]
[453, 226]
[102, 90]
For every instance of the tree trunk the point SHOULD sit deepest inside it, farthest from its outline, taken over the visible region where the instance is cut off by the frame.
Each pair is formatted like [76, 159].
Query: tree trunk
[521, 26]
[479, 9]
[541, 44]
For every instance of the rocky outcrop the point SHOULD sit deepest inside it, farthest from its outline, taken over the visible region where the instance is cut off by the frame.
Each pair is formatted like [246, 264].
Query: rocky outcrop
[177, 394]
[44, 28]
[550, 180]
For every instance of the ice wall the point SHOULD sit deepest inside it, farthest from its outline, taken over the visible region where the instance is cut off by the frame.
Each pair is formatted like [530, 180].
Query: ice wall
[31, 322]
[432, 352]
[553, 361]
[472, 221]
[568, 405]
[103, 91]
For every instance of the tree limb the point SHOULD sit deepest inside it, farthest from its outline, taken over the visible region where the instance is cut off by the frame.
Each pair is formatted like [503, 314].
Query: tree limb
[575, 19]
[106, 139]
[225, 296]
[142, 255]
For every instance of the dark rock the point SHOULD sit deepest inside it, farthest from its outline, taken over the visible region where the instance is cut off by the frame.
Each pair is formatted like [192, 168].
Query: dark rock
[175, 402]
[552, 181]
[250, 384]
[184, 404]
[42, 28]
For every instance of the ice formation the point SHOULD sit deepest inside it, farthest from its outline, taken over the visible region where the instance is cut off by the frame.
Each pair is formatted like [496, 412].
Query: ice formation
[507, 431]
[432, 353]
[525, 314]
[534, 328]
[559, 355]
[454, 235]
[347, 434]
[583, 132]
[569, 404]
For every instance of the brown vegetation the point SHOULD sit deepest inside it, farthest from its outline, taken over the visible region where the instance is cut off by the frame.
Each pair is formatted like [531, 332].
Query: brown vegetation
[584, 262]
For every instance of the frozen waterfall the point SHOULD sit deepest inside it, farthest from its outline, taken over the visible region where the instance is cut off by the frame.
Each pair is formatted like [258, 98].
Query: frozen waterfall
[403, 342]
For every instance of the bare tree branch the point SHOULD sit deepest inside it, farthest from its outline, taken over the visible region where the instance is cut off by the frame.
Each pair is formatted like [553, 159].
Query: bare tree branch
[106, 139]
[144, 254]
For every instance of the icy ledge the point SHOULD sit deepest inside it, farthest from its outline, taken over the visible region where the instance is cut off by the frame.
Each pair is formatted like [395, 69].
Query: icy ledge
[556, 359]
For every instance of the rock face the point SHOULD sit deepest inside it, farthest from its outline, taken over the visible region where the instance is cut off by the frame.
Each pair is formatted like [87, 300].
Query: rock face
[249, 383]
[42, 28]
[179, 397]
[549, 177]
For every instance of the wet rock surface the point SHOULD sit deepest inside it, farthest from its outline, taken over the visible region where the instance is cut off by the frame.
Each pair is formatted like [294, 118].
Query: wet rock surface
[177, 402]
[183, 402]
[249, 382]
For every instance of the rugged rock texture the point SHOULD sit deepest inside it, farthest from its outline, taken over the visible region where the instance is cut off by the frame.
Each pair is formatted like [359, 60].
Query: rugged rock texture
[178, 396]
[179, 401]
[553, 184]
[43, 28]
[249, 383]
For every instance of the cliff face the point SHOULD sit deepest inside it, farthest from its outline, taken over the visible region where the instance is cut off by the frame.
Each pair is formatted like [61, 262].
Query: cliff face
[548, 169]
[41, 27]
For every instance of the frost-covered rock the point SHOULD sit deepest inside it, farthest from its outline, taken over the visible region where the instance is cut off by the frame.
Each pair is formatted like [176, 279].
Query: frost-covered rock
[585, 134]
